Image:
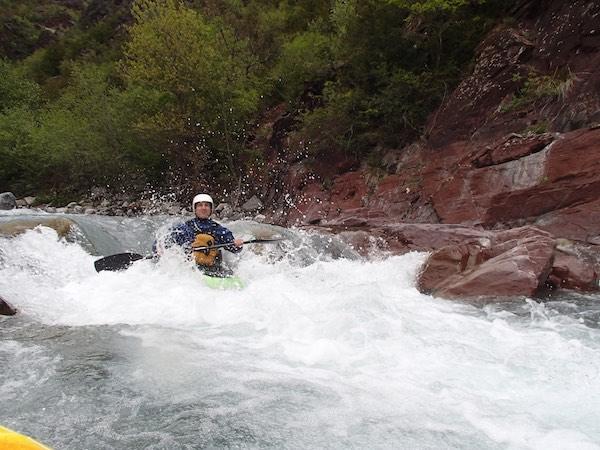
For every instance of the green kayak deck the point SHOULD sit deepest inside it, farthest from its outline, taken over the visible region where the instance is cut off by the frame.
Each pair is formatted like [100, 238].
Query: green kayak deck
[232, 282]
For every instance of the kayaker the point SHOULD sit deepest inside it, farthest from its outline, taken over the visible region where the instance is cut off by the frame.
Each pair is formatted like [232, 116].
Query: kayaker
[201, 231]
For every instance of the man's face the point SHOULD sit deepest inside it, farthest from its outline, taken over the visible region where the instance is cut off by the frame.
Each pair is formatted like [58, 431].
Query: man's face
[203, 210]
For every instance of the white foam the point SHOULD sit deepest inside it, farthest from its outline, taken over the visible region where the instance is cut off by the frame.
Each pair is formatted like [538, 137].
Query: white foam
[360, 331]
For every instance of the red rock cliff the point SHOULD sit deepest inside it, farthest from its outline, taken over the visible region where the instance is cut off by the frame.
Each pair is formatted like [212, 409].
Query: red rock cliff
[517, 143]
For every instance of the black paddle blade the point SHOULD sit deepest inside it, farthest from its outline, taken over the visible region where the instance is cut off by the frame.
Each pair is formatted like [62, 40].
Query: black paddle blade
[116, 262]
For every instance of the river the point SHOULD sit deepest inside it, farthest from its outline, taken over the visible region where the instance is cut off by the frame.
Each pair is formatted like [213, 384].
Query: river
[321, 349]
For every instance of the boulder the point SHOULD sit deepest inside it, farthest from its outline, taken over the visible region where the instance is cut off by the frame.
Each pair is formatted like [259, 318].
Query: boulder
[98, 192]
[8, 201]
[223, 210]
[570, 272]
[253, 204]
[17, 226]
[576, 266]
[513, 263]
[6, 309]
[173, 210]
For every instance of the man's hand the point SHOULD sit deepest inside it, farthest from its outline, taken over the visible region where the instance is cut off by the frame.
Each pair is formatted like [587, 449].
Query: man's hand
[238, 243]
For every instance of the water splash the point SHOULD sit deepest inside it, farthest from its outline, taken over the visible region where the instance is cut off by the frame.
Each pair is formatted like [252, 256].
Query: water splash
[316, 351]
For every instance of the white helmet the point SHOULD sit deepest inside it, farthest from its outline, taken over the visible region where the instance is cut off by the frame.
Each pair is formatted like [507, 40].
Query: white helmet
[203, 198]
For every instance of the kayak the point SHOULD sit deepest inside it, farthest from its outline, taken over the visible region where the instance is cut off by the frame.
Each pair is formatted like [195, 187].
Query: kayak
[225, 283]
[12, 440]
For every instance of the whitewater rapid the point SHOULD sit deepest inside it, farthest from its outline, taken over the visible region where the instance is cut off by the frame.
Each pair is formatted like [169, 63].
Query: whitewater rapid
[317, 351]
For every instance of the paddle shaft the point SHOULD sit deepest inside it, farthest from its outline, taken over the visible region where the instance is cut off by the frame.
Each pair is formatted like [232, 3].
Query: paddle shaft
[122, 261]
[252, 241]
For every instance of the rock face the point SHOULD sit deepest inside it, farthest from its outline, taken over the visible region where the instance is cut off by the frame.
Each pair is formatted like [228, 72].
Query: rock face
[564, 174]
[8, 200]
[516, 143]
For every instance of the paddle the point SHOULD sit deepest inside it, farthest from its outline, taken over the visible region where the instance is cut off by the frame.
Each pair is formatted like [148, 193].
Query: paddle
[116, 262]
[253, 241]
[122, 261]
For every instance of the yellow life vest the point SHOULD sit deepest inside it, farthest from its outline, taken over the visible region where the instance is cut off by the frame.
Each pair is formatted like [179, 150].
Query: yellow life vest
[205, 257]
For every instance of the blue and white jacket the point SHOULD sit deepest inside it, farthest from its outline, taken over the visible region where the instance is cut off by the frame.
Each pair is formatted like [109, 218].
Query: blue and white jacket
[184, 234]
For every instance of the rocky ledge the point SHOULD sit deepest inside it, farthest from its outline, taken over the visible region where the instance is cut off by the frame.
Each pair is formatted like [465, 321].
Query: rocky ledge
[479, 265]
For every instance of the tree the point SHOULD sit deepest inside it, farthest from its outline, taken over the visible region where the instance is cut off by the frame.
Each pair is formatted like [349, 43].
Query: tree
[197, 64]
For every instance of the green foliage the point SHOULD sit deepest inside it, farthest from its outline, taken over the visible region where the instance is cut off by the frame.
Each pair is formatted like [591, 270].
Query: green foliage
[16, 165]
[538, 87]
[24, 23]
[336, 125]
[395, 60]
[91, 130]
[174, 86]
[428, 6]
[18, 98]
[16, 91]
[538, 128]
[305, 59]
[87, 137]
[196, 63]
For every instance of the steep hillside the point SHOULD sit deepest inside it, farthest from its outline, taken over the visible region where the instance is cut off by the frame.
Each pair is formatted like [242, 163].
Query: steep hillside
[516, 142]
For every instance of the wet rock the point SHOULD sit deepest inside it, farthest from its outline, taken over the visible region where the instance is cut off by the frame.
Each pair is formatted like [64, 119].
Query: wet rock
[363, 242]
[579, 222]
[514, 147]
[17, 226]
[174, 210]
[98, 192]
[8, 201]
[253, 204]
[564, 174]
[224, 210]
[30, 201]
[405, 237]
[514, 263]
[6, 309]
[571, 272]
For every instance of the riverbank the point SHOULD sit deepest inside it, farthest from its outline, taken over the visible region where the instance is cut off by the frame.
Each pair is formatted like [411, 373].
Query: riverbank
[123, 206]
